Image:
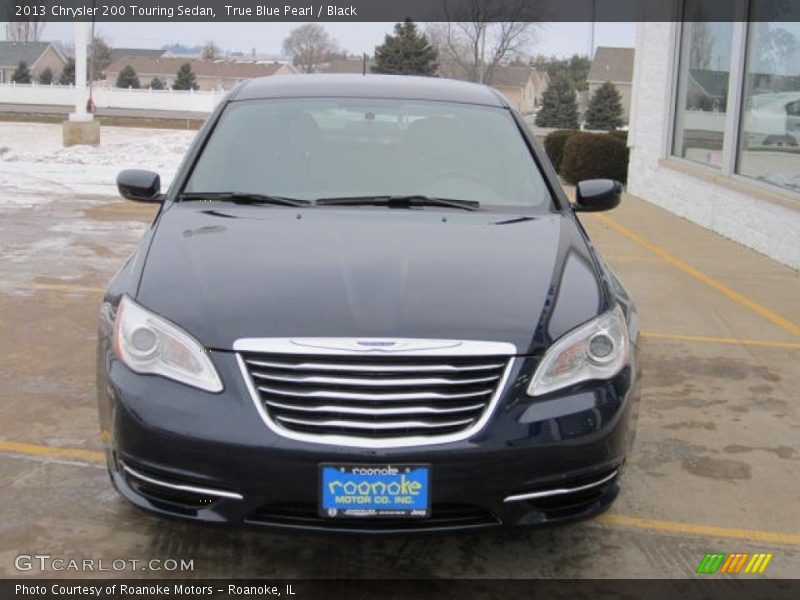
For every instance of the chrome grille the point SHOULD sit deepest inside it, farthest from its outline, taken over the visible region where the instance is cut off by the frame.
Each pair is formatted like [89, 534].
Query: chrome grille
[371, 397]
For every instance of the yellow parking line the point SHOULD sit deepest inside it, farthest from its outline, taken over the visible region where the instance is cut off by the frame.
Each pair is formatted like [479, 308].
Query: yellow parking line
[128, 210]
[719, 340]
[606, 519]
[69, 287]
[632, 258]
[723, 289]
[52, 452]
[752, 535]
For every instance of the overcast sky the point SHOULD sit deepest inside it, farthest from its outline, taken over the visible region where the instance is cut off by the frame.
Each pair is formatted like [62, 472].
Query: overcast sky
[560, 39]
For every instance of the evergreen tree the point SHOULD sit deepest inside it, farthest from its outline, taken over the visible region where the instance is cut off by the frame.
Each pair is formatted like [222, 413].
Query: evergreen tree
[22, 74]
[185, 79]
[127, 78]
[407, 52]
[559, 106]
[46, 76]
[575, 69]
[605, 108]
[157, 84]
[67, 76]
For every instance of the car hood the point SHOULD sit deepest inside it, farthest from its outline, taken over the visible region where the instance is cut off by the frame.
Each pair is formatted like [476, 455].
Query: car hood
[225, 272]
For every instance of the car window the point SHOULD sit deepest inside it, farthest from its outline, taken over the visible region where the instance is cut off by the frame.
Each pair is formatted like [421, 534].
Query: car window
[314, 148]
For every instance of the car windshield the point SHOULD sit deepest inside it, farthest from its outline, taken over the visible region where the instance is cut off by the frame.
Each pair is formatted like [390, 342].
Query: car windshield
[351, 148]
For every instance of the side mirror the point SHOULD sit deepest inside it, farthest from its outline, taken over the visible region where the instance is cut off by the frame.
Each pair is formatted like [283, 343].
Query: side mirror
[594, 195]
[140, 186]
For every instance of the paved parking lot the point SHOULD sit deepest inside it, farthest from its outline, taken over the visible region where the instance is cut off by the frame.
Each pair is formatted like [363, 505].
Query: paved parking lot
[716, 465]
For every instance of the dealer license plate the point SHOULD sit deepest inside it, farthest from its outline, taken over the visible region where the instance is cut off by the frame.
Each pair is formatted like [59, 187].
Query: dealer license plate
[374, 491]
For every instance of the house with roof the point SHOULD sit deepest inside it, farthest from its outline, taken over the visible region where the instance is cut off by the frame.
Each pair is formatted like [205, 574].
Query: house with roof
[522, 86]
[352, 66]
[708, 90]
[117, 53]
[614, 65]
[38, 56]
[211, 74]
[253, 56]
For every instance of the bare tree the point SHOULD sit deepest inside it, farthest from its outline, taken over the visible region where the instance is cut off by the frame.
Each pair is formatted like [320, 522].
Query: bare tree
[779, 46]
[309, 46]
[478, 35]
[24, 31]
[210, 51]
[701, 46]
[99, 57]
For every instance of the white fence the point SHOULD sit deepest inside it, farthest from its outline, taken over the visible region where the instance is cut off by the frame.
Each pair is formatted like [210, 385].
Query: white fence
[64, 95]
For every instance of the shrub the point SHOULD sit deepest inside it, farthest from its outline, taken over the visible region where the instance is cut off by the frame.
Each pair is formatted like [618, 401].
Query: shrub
[185, 78]
[620, 134]
[594, 156]
[554, 145]
[22, 74]
[46, 76]
[67, 76]
[127, 78]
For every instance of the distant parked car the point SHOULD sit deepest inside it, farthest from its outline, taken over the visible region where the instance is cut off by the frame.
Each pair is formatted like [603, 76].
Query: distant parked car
[367, 305]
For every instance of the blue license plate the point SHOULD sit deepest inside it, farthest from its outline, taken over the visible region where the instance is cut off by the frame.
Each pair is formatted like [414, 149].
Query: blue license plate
[374, 491]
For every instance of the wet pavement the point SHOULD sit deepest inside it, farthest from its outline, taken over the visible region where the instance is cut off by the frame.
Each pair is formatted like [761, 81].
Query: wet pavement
[716, 465]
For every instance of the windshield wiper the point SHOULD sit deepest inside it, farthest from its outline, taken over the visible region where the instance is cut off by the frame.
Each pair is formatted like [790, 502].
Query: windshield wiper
[244, 198]
[399, 201]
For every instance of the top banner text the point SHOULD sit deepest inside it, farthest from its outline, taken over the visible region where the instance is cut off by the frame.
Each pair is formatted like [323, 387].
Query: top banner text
[397, 10]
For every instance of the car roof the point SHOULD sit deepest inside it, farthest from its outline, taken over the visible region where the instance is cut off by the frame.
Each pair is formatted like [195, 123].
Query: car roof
[367, 86]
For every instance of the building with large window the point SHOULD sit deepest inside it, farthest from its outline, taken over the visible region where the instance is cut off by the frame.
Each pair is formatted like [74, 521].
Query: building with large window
[715, 125]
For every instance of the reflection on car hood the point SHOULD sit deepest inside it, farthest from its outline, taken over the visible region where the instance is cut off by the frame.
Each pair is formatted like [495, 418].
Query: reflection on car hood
[226, 272]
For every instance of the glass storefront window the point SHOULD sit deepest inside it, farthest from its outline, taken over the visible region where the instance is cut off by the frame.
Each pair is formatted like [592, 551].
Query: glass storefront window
[769, 138]
[702, 98]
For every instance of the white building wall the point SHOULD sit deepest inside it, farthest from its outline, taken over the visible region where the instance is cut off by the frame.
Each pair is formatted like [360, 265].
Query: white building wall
[766, 226]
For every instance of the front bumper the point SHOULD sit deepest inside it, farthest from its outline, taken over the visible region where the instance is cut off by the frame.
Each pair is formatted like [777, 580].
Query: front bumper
[181, 452]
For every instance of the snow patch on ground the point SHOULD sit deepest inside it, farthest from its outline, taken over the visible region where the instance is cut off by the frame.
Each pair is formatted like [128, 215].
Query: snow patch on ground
[34, 167]
[159, 153]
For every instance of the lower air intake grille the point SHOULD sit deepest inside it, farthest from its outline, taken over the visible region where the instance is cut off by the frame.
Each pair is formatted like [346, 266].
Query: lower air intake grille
[374, 397]
[443, 516]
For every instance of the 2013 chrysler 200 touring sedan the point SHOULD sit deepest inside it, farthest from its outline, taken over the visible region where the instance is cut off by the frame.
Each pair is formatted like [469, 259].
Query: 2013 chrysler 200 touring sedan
[366, 305]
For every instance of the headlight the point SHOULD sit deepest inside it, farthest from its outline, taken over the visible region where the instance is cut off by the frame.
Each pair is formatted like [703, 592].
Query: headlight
[598, 349]
[146, 343]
